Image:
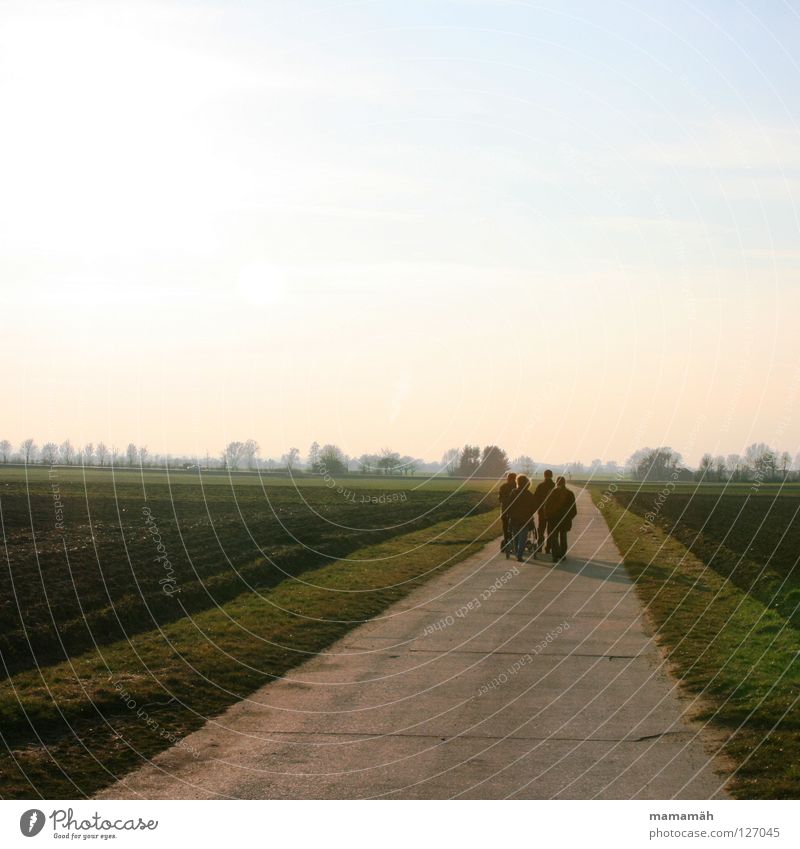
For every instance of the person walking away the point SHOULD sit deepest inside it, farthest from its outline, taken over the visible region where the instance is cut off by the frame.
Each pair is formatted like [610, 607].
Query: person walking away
[521, 513]
[542, 494]
[506, 495]
[561, 512]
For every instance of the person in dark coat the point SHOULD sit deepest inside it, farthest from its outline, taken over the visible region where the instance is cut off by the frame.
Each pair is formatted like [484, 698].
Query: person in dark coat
[542, 494]
[560, 513]
[521, 513]
[506, 495]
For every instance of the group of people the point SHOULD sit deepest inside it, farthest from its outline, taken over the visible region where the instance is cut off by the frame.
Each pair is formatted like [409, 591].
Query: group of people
[551, 502]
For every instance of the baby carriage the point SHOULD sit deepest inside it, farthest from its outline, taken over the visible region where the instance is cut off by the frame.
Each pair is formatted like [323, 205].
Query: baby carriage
[530, 543]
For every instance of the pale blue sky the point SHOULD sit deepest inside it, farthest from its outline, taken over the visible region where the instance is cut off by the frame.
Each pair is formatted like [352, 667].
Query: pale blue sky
[405, 223]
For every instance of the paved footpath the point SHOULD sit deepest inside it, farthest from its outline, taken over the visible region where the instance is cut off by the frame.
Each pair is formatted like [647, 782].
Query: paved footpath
[495, 680]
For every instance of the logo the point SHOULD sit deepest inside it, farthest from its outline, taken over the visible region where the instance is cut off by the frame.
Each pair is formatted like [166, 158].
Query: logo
[31, 822]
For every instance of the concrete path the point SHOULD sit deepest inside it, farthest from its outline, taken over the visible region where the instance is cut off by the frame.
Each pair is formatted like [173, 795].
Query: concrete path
[495, 680]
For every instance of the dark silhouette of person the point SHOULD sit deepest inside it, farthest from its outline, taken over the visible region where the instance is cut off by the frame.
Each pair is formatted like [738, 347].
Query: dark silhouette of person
[560, 513]
[506, 495]
[542, 494]
[521, 513]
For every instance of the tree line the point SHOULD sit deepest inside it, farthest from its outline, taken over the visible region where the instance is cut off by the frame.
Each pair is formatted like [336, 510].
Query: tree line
[65, 453]
[759, 462]
[471, 461]
[90, 454]
[237, 455]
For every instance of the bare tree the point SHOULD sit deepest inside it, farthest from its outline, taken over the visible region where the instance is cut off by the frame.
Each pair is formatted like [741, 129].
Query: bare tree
[102, 453]
[313, 457]
[409, 465]
[658, 464]
[331, 460]
[785, 464]
[144, 453]
[389, 462]
[450, 460]
[706, 468]
[290, 458]
[367, 463]
[232, 455]
[249, 452]
[720, 468]
[131, 451]
[49, 453]
[67, 452]
[769, 463]
[28, 450]
[525, 464]
[88, 453]
[761, 459]
[734, 466]
[5, 450]
[114, 455]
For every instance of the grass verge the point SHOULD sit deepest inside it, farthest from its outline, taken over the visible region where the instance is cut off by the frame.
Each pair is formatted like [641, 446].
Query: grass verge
[738, 655]
[72, 728]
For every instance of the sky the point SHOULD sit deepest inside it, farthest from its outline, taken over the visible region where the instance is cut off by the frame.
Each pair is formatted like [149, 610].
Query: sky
[567, 228]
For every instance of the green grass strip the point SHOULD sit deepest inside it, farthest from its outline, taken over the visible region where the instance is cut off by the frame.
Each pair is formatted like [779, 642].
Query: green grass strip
[739, 656]
[72, 728]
